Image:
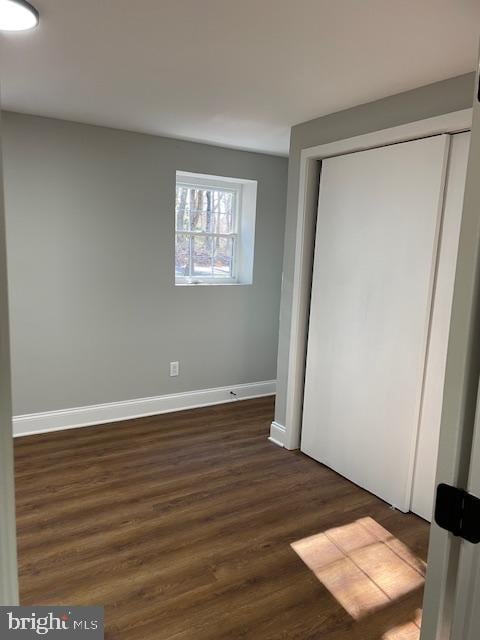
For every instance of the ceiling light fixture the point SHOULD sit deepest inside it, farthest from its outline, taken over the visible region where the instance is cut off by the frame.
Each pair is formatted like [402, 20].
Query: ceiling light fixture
[17, 15]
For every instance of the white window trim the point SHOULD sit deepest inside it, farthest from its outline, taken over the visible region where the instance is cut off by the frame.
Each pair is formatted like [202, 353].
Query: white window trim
[245, 213]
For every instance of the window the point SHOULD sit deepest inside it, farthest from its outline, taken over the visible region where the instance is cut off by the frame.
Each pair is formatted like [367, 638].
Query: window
[213, 220]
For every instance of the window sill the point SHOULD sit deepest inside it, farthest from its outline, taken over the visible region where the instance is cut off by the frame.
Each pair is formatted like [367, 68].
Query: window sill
[211, 284]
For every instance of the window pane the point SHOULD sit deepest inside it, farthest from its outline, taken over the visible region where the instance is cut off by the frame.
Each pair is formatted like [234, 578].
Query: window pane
[182, 255]
[209, 226]
[205, 210]
[224, 212]
[182, 215]
[197, 209]
[225, 223]
[223, 259]
[203, 247]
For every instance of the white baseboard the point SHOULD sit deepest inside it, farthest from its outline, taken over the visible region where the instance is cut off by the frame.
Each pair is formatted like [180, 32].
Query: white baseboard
[278, 434]
[115, 411]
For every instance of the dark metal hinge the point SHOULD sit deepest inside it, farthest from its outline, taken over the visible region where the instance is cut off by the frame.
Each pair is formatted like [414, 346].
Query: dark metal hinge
[458, 511]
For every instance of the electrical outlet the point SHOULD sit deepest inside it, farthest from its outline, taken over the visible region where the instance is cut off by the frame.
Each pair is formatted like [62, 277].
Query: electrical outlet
[174, 369]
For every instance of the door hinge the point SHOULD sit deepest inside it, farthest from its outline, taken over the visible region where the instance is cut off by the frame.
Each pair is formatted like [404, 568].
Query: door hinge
[458, 511]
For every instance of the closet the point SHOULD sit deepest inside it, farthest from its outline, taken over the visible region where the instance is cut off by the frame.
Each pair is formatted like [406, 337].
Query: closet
[385, 253]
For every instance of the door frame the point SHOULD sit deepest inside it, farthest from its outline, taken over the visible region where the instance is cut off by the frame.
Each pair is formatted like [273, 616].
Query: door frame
[8, 533]
[310, 160]
[448, 608]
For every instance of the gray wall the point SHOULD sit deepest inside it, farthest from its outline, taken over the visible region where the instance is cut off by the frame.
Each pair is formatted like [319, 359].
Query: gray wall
[428, 101]
[95, 314]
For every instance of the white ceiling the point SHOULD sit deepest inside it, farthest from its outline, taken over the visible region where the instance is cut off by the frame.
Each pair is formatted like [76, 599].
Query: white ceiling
[237, 73]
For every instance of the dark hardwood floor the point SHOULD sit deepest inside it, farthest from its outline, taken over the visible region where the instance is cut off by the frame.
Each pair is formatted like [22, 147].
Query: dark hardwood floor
[192, 526]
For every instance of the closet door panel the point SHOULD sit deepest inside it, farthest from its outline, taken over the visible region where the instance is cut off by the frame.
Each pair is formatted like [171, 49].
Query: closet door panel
[377, 231]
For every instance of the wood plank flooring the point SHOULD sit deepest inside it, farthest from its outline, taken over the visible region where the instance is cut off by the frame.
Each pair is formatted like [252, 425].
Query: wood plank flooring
[192, 526]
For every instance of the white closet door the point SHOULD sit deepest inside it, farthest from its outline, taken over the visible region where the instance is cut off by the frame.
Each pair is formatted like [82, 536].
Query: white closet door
[377, 230]
[429, 433]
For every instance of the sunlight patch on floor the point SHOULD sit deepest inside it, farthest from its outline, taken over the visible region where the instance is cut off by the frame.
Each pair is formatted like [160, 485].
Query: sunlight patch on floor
[366, 569]
[407, 631]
